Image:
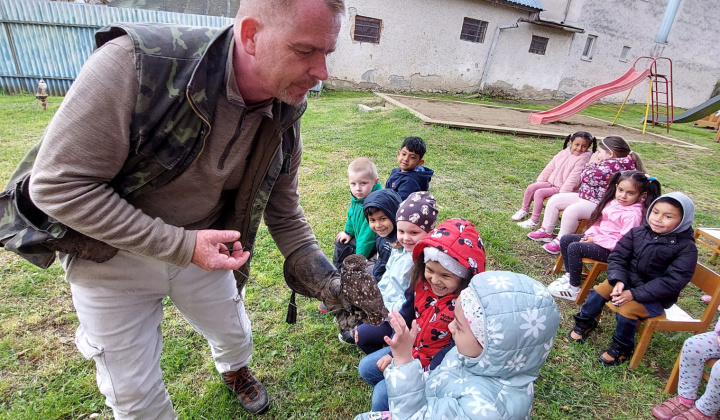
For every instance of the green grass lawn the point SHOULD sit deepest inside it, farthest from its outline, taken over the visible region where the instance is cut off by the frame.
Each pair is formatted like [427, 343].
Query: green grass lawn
[309, 374]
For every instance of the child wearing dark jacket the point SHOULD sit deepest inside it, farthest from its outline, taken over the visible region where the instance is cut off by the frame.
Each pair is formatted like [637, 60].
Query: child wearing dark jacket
[410, 176]
[379, 209]
[647, 269]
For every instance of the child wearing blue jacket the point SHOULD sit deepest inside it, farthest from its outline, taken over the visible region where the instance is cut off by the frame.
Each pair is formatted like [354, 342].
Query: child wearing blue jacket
[504, 327]
[410, 175]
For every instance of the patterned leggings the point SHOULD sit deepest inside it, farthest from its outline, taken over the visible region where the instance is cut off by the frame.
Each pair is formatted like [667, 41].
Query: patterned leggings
[698, 349]
[573, 251]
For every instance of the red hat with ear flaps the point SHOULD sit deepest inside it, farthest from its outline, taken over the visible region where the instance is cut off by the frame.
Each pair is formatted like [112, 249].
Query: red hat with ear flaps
[459, 239]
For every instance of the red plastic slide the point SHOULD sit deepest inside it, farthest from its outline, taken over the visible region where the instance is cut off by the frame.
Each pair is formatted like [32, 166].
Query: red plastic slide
[583, 99]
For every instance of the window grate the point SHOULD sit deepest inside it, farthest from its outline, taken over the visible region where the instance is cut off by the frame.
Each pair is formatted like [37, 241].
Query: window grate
[538, 45]
[473, 30]
[367, 29]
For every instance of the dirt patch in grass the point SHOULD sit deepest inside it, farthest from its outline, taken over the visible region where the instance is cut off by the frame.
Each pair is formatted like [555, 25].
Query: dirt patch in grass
[466, 113]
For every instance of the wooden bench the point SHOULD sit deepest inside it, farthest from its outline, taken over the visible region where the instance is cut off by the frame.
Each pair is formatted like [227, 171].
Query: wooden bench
[709, 237]
[675, 318]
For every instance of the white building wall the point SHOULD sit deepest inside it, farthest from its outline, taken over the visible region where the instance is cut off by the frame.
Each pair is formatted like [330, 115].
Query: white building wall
[517, 71]
[420, 48]
[562, 11]
[617, 23]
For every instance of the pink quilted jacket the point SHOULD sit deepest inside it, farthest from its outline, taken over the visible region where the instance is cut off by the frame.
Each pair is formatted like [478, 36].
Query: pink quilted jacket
[564, 170]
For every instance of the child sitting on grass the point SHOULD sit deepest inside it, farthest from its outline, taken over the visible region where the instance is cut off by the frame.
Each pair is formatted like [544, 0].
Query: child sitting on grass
[415, 217]
[646, 271]
[697, 350]
[379, 209]
[445, 260]
[504, 327]
[621, 209]
[410, 176]
[561, 175]
[357, 237]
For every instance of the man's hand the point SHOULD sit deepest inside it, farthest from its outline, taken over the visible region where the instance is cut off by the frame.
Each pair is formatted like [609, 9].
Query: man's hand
[211, 253]
[343, 237]
[403, 340]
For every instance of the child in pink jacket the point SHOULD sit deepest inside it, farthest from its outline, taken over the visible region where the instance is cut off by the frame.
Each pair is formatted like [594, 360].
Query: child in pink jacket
[621, 208]
[562, 174]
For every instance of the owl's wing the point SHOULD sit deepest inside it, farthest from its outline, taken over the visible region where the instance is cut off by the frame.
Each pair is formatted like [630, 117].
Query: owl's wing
[362, 291]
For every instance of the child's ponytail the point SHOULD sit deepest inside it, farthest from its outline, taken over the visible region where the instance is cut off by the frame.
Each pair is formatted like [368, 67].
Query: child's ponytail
[620, 148]
[653, 192]
[567, 140]
[606, 198]
[638, 162]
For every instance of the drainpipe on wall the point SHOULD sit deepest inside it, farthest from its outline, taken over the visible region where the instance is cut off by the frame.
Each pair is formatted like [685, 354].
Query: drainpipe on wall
[667, 21]
[492, 49]
[567, 10]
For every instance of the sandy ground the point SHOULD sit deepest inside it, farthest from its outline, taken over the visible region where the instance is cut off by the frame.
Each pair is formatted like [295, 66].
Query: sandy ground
[514, 120]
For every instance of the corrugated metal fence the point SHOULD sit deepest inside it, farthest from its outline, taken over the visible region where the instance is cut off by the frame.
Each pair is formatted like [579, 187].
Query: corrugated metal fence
[52, 40]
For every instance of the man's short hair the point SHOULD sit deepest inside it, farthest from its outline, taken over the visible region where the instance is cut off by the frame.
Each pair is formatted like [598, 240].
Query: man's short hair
[414, 145]
[273, 8]
[365, 166]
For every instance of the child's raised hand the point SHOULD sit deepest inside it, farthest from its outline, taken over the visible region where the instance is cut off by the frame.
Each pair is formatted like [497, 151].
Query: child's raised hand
[401, 343]
[384, 362]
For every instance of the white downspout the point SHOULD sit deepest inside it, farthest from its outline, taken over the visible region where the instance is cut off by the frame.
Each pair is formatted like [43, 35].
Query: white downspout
[492, 49]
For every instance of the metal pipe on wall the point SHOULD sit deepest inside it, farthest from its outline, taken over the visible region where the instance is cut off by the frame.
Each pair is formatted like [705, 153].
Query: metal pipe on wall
[667, 21]
[492, 50]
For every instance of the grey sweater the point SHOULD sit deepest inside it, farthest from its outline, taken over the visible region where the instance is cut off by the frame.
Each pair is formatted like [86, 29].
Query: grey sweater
[86, 144]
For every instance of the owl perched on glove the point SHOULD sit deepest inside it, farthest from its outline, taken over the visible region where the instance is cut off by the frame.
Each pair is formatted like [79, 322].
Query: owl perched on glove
[360, 289]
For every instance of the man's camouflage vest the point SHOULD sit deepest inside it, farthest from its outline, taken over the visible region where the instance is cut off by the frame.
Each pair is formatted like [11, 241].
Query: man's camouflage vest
[181, 72]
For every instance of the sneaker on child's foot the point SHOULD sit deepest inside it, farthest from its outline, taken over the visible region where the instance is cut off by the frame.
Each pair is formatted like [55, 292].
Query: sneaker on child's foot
[540, 235]
[671, 408]
[322, 308]
[519, 215]
[528, 224]
[552, 247]
[346, 337]
[559, 283]
[565, 291]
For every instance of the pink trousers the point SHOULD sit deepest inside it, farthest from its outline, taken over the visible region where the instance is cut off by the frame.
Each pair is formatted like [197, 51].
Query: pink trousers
[536, 193]
[574, 209]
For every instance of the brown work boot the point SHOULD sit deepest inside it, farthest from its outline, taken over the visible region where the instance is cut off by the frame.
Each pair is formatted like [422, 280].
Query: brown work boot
[248, 390]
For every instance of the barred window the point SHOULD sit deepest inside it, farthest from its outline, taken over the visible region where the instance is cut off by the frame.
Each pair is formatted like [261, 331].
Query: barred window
[367, 29]
[473, 30]
[538, 45]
